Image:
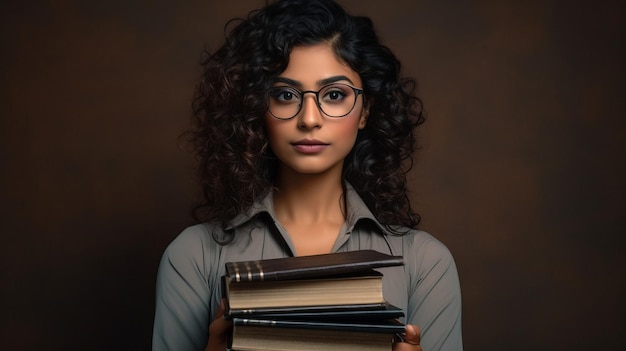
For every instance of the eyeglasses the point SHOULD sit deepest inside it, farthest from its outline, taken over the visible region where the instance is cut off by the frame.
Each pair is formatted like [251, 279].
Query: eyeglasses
[334, 100]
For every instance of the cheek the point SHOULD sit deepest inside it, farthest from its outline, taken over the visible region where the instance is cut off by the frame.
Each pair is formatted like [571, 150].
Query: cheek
[349, 130]
[351, 125]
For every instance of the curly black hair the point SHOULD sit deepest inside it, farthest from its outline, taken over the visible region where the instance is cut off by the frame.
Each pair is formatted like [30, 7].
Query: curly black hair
[236, 165]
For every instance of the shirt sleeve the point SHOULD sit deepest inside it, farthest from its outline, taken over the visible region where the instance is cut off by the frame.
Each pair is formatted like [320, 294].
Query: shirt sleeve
[183, 295]
[435, 296]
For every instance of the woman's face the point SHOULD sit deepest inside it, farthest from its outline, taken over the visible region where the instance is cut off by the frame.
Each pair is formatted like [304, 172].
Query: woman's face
[311, 142]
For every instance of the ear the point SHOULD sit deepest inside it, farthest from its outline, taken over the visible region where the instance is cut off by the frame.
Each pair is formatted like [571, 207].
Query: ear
[364, 114]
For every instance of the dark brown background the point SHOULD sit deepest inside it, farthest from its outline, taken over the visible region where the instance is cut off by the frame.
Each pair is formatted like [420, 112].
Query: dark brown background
[521, 175]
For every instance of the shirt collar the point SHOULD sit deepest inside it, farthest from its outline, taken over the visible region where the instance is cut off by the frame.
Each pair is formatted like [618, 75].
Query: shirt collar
[356, 210]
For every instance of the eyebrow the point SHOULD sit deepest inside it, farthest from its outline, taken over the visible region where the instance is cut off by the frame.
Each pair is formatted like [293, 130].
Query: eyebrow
[320, 82]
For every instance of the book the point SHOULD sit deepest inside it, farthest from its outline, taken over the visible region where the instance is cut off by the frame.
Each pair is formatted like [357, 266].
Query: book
[317, 313]
[320, 302]
[274, 335]
[337, 290]
[309, 266]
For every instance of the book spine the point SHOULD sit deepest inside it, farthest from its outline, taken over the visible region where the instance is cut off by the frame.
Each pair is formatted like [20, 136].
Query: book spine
[248, 271]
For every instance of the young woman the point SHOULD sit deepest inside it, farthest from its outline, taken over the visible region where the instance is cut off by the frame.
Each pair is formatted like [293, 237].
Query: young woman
[304, 134]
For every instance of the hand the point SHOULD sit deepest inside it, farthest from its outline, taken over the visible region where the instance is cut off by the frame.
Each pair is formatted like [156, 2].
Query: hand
[219, 330]
[409, 341]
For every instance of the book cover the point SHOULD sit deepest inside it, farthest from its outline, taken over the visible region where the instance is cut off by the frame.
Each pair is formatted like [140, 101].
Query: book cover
[309, 266]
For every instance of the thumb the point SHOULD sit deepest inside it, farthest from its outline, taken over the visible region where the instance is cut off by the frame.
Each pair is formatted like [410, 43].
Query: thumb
[412, 334]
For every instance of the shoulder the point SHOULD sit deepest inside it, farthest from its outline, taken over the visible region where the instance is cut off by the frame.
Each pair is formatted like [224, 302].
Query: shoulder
[419, 240]
[193, 246]
[423, 252]
[411, 241]
[190, 239]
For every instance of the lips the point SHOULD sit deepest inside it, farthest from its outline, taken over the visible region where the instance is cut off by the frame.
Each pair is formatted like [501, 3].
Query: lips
[309, 146]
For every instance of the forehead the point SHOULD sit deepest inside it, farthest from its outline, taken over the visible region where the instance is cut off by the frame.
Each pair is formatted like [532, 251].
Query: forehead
[311, 64]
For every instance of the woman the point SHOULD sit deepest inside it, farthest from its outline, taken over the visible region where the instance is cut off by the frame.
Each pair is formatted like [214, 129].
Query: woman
[304, 134]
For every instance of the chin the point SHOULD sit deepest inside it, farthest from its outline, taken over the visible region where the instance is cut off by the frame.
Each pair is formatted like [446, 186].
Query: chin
[309, 168]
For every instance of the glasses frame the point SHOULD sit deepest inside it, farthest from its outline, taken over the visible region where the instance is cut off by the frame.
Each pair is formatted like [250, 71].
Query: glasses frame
[357, 92]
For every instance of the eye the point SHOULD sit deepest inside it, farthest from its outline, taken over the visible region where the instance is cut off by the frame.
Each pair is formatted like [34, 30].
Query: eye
[285, 95]
[335, 94]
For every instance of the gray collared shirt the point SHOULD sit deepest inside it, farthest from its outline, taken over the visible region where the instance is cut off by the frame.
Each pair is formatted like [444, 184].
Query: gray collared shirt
[188, 289]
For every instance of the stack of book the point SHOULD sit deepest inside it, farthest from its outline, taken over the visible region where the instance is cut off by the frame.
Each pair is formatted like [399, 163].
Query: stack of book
[321, 302]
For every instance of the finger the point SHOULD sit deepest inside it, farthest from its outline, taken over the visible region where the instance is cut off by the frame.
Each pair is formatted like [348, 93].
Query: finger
[221, 309]
[218, 334]
[403, 346]
[409, 340]
[220, 325]
[219, 330]
[412, 334]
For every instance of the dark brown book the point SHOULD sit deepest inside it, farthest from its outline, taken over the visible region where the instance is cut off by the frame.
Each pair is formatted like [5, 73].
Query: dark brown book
[309, 266]
[274, 335]
[345, 313]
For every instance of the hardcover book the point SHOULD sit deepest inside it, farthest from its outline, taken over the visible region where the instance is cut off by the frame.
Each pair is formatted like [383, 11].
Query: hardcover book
[337, 290]
[309, 266]
[320, 302]
[319, 313]
[274, 335]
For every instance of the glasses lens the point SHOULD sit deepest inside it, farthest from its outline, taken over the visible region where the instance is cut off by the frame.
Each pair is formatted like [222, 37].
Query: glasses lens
[337, 100]
[284, 102]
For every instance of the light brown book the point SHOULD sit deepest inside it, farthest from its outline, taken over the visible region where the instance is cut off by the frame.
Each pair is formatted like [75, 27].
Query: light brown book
[344, 290]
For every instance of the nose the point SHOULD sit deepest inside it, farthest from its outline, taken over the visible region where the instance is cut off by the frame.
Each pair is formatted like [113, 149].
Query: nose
[310, 115]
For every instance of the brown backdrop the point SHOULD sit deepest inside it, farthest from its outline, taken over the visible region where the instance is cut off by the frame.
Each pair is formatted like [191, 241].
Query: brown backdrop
[521, 174]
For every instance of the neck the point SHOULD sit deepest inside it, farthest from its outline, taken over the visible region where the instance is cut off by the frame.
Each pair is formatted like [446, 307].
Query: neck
[308, 198]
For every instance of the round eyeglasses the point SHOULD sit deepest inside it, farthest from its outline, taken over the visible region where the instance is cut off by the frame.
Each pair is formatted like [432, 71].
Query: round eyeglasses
[334, 100]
